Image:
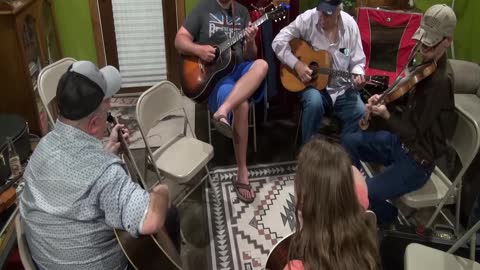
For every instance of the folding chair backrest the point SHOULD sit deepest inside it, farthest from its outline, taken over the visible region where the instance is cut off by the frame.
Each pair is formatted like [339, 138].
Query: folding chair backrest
[48, 81]
[156, 103]
[23, 249]
[387, 39]
[465, 140]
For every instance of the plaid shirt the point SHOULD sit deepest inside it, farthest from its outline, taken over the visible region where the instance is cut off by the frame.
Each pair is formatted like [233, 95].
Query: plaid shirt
[75, 193]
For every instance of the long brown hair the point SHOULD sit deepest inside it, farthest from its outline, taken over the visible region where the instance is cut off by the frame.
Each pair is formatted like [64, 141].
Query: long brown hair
[335, 232]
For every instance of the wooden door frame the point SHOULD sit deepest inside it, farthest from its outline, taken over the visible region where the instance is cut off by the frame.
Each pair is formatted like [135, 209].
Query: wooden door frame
[102, 18]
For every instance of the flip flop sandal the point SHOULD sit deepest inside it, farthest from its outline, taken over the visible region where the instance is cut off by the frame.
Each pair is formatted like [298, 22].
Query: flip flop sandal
[237, 186]
[222, 127]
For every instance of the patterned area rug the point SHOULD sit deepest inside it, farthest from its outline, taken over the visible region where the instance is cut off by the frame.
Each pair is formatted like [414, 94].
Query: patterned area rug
[124, 108]
[242, 235]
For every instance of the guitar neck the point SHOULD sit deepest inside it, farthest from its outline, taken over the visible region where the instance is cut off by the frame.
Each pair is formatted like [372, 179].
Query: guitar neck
[340, 73]
[240, 35]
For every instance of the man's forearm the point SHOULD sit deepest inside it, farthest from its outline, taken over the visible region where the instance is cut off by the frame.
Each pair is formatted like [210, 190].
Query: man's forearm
[250, 51]
[186, 46]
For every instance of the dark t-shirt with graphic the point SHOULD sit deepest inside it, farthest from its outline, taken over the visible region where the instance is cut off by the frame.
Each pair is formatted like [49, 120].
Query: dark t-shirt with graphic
[209, 17]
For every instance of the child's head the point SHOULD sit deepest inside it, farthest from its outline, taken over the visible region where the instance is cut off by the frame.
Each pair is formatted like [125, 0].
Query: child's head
[324, 185]
[334, 232]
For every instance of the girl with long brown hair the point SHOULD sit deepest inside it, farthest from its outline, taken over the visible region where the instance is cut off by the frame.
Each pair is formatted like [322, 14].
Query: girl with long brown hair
[332, 229]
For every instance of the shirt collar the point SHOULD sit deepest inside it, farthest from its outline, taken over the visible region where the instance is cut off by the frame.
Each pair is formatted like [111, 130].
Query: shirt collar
[341, 25]
[74, 134]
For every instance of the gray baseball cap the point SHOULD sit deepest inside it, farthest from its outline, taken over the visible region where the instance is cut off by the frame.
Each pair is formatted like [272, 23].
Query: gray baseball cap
[83, 87]
[438, 22]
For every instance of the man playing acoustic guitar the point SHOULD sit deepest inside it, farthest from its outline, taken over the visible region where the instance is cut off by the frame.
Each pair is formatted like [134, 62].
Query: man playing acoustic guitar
[232, 93]
[409, 142]
[326, 28]
[77, 190]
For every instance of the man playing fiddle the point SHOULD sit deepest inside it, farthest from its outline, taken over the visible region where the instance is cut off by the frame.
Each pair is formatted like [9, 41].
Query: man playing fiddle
[409, 142]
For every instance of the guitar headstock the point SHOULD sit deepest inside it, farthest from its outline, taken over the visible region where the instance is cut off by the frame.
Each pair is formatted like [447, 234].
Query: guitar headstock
[279, 12]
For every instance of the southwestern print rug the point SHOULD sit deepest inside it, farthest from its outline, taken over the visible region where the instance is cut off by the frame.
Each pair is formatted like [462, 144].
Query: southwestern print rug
[241, 235]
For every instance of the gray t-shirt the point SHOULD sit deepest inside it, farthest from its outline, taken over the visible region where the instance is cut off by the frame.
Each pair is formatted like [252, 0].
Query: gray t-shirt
[209, 17]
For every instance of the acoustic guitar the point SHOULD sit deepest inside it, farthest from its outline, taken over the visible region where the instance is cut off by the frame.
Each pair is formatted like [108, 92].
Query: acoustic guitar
[278, 256]
[155, 251]
[199, 78]
[320, 62]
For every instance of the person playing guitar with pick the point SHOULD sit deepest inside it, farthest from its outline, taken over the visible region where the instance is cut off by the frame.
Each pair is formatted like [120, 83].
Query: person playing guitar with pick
[229, 99]
[326, 27]
[407, 143]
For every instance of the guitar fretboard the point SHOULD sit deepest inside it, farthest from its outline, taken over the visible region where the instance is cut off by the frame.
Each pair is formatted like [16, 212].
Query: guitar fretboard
[338, 73]
[240, 35]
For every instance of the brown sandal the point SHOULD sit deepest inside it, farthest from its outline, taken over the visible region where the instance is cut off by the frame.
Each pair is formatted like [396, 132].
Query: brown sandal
[237, 186]
[222, 127]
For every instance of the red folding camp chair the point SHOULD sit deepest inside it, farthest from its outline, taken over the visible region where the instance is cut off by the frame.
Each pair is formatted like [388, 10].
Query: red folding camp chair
[387, 39]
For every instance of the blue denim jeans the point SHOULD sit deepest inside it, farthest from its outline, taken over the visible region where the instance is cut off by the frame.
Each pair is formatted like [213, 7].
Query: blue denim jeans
[401, 175]
[348, 108]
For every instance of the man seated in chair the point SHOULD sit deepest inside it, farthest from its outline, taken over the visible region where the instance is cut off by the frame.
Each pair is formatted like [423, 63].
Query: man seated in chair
[408, 143]
[77, 190]
[326, 27]
[230, 98]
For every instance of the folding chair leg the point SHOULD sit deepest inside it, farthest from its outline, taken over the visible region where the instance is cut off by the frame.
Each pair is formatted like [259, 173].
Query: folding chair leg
[210, 181]
[209, 127]
[212, 185]
[453, 187]
[254, 122]
[298, 127]
[146, 167]
[457, 209]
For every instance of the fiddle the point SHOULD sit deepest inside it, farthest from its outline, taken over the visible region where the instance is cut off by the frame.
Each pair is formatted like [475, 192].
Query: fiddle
[400, 87]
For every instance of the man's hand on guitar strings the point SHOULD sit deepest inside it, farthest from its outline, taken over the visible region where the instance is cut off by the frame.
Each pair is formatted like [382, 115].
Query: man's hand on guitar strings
[206, 53]
[303, 71]
[113, 144]
[358, 81]
[250, 33]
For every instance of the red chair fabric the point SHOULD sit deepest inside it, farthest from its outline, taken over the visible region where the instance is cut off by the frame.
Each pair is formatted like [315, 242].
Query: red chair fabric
[387, 39]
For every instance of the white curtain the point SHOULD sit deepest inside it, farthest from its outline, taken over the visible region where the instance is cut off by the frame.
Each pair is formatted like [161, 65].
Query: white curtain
[140, 41]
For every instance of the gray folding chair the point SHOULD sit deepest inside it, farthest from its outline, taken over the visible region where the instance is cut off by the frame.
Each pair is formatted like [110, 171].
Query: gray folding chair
[181, 157]
[439, 190]
[421, 257]
[23, 249]
[47, 84]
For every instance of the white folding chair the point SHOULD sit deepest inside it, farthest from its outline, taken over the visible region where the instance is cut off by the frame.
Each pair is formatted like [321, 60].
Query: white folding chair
[252, 123]
[23, 249]
[48, 81]
[181, 157]
[439, 190]
[421, 257]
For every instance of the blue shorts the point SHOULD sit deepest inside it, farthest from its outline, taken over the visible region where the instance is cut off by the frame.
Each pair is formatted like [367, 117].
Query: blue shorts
[225, 86]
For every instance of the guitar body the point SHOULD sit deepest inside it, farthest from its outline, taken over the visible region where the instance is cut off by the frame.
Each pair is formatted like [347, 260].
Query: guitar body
[305, 53]
[198, 79]
[278, 256]
[149, 251]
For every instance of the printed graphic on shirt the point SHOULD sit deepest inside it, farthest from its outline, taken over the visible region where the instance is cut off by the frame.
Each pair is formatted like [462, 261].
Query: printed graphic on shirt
[220, 22]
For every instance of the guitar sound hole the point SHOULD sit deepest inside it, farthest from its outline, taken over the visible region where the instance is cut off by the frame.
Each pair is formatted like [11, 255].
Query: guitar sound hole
[314, 67]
